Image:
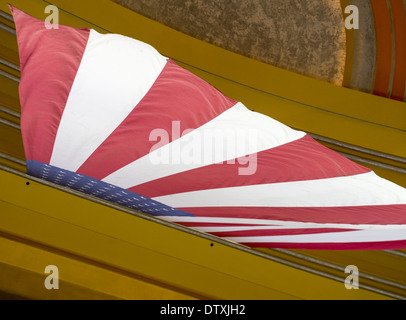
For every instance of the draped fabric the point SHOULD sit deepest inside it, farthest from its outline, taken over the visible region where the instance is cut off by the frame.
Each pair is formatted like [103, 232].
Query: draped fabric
[110, 116]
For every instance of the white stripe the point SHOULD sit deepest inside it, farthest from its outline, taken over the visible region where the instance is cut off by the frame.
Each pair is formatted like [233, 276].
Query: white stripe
[222, 220]
[279, 223]
[235, 133]
[252, 228]
[359, 190]
[114, 75]
[333, 237]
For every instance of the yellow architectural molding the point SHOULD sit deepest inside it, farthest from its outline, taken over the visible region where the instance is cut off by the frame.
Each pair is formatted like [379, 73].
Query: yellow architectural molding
[140, 247]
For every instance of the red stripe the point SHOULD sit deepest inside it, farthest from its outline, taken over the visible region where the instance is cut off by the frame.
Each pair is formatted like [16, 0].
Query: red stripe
[385, 245]
[275, 232]
[177, 95]
[379, 215]
[49, 61]
[303, 159]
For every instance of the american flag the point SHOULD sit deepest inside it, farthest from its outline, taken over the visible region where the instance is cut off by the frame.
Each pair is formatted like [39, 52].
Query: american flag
[110, 116]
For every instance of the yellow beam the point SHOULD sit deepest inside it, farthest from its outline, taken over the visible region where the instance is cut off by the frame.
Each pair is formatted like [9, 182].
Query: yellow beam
[172, 257]
[11, 141]
[22, 273]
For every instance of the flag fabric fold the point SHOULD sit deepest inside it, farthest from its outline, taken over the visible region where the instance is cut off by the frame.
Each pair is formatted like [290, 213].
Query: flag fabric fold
[110, 116]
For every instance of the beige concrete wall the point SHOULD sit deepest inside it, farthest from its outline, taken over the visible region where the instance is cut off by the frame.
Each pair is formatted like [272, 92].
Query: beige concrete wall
[305, 36]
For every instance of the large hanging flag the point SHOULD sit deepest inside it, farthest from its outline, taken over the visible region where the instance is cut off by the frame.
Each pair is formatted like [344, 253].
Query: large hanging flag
[109, 116]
